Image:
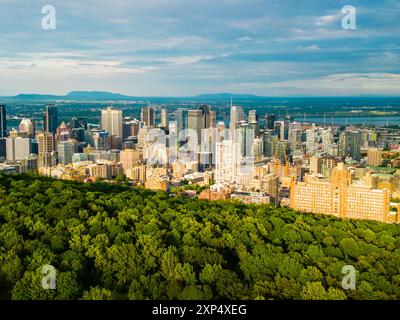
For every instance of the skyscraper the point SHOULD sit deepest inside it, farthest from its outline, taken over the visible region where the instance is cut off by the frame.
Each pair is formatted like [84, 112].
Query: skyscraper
[196, 122]
[66, 150]
[26, 125]
[374, 157]
[18, 148]
[227, 161]
[181, 119]
[269, 120]
[206, 109]
[148, 116]
[51, 118]
[253, 117]
[270, 141]
[164, 118]
[111, 121]
[236, 115]
[3, 121]
[45, 142]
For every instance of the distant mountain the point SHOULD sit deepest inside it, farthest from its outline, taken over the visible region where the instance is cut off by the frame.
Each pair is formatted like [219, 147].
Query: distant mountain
[24, 96]
[74, 95]
[96, 95]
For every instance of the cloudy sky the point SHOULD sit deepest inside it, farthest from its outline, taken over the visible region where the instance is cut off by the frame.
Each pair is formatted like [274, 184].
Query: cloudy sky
[188, 47]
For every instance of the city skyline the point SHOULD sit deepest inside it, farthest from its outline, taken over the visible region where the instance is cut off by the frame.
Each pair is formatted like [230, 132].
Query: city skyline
[159, 48]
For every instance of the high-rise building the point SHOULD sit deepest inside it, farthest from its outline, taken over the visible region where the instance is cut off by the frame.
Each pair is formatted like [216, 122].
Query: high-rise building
[374, 157]
[270, 142]
[213, 119]
[46, 147]
[45, 142]
[236, 116]
[355, 145]
[350, 144]
[340, 198]
[66, 150]
[18, 148]
[130, 158]
[181, 118]
[206, 109]
[27, 125]
[111, 121]
[164, 118]
[253, 117]
[312, 142]
[3, 144]
[327, 141]
[51, 119]
[148, 116]
[101, 140]
[196, 122]
[3, 121]
[270, 120]
[227, 161]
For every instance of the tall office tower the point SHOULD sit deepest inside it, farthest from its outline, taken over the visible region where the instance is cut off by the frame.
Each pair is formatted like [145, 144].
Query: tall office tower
[270, 142]
[148, 116]
[295, 140]
[350, 144]
[45, 142]
[130, 158]
[245, 135]
[327, 140]
[206, 109]
[101, 140]
[164, 118]
[374, 157]
[253, 117]
[3, 148]
[312, 141]
[51, 118]
[66, 150]
[258, 147]
[77, 123]
[270, 120]
[26, 125]
[227, 161]
[46, 147]
[236, 116]
[3, 121]
[286, 127]
[196, 122]
[181, 118]
[213, 118]
[130, 129]
[355, 145]
[279, 128]
[111, 121]
[18, 148]
[78, 134]
[343, 144]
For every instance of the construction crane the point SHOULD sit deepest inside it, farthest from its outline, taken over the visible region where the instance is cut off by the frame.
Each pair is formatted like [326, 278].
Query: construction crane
[285, 158]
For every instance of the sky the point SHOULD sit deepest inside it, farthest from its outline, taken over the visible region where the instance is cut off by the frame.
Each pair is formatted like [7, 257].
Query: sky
[189, 47]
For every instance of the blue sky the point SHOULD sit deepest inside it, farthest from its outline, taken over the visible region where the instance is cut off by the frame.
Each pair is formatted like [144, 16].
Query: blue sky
[188, 47]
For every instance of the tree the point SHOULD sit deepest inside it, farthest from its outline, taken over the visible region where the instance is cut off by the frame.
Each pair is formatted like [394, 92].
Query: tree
[97, 293]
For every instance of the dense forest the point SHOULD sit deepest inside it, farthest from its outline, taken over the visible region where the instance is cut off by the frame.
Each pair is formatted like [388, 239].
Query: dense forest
[116, 242]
